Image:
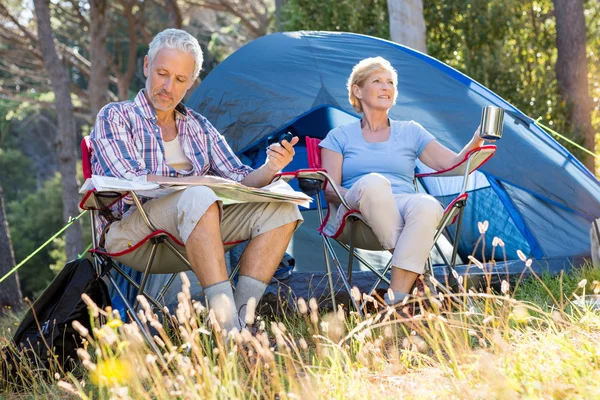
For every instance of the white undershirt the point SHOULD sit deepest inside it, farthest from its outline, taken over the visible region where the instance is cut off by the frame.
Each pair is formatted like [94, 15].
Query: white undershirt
[175, 157]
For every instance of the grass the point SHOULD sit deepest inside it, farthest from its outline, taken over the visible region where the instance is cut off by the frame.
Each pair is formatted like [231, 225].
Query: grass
[533, 343]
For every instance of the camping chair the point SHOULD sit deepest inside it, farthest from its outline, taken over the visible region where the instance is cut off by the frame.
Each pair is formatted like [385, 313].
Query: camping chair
[99, 203]
[354, 233]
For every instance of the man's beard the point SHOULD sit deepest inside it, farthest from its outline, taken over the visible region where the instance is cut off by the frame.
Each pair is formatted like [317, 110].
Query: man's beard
[153, 100]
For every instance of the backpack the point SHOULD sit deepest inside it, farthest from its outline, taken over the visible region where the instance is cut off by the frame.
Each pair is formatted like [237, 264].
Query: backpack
[55, 311]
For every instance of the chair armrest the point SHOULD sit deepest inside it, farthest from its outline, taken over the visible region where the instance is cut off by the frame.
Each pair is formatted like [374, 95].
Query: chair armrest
[472, 161]
[313, 174]
[327, 179]
[94, 200]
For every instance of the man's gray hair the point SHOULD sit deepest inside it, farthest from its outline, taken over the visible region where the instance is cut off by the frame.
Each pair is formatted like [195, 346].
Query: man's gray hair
[178, 40]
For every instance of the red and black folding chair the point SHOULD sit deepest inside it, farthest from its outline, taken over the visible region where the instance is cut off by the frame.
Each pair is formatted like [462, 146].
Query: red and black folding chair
[99, 203]
[354, 233]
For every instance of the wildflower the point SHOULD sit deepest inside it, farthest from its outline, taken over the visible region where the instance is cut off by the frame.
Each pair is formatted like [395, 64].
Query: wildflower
[66, 387]
[313, 304]
[475, 261]
[250, 311]
[391, 295]
[355, 292]
[112, 372]
[91, 305]
[303, 344]
[83, 355]
[582, 283]
[302, 306]
[122, 345]
[521, 255]
[82, 330]
[504, 287]
[115, 323]
[520, 314]
[151, 359]
[483, 226]
[528, 262]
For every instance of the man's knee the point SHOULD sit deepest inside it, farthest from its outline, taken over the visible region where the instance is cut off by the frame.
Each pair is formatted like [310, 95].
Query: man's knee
[194, 203]
[276, 216]
[196, 197]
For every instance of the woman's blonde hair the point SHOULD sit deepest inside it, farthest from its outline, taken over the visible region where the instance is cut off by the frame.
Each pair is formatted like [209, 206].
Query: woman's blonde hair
[360, 73]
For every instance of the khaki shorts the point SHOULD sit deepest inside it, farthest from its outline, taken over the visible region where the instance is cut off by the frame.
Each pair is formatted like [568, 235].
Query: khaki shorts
[178, 213]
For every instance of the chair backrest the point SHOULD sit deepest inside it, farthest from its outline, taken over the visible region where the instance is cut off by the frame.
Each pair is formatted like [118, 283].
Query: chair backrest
[313, 152]
[86, 157]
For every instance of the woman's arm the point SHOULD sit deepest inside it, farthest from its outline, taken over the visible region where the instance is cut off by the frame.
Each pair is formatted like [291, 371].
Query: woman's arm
[439, 157]
[332, 163]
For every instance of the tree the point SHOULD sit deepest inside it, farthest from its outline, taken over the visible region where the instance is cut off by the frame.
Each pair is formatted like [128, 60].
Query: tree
[99, 57]
[572, 71]
[509, 46]
[369, 17]
[67, 137]
[10, 289]
[407, 23]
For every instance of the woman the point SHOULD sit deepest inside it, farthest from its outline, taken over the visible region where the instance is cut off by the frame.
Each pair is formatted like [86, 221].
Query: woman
[373, 162]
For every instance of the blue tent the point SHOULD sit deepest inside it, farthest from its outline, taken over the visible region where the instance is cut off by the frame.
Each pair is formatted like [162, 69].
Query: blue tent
[536, 196]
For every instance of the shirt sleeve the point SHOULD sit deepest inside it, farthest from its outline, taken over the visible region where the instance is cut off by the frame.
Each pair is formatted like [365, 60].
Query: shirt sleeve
[334, 141]
[114, 151]
[422, 137]
[223, 161]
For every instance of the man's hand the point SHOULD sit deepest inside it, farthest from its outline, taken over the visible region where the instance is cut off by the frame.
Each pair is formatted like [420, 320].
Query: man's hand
[280, 155]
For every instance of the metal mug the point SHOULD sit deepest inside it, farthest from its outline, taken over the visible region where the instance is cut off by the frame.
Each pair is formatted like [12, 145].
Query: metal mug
[492, 119]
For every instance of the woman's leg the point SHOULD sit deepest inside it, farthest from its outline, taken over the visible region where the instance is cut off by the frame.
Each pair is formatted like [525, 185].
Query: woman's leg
[372, 196]
[421, 214]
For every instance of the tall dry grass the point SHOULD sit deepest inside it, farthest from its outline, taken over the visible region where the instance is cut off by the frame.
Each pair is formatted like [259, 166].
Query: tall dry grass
[497, 346]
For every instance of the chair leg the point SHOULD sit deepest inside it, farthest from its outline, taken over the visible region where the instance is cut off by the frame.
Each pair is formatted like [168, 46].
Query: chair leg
[342, 274]
[325, 253]
[456, 236]
[135, 285]
[165, 288]
[134, 316]
[366, 264]
[351, 252]
[147, 270]
[388, 266]
[329, 273]
[234, 272]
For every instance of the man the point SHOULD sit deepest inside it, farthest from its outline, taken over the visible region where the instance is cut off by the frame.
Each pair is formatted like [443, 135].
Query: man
[156, 138]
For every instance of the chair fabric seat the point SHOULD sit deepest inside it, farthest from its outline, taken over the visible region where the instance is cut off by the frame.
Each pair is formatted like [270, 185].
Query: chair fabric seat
[166, 262]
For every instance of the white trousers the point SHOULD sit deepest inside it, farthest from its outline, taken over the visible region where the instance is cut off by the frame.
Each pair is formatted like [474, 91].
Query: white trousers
[403, 222]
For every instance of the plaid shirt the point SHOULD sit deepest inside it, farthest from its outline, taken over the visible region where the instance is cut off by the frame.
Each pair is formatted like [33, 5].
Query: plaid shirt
[127, 143]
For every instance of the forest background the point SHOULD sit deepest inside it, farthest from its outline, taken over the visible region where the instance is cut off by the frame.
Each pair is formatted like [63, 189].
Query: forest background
[70, 57]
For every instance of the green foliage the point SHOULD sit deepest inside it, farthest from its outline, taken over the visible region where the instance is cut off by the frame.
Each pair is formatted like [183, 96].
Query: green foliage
[16, 174]
[33, 219]
[508, 46]
[550, 289]
[368, 17]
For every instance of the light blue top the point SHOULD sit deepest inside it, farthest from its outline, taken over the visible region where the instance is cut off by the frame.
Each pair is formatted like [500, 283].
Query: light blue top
[395, 158]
